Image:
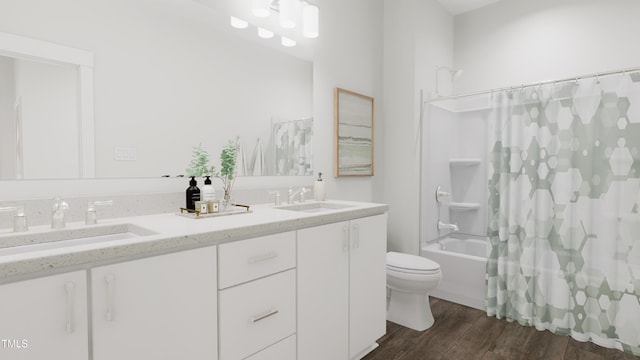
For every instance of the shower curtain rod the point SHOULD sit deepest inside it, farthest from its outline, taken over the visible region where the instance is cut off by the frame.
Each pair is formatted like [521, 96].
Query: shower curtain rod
[575, 78]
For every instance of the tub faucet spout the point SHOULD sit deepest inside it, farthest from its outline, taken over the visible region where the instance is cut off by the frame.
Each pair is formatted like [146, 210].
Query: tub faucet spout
[452, 227]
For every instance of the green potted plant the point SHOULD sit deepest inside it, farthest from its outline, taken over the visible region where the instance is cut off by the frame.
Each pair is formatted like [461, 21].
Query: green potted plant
[227, 170]
[199, 165]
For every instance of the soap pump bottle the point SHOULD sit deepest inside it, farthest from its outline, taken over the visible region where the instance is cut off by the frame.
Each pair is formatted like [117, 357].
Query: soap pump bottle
[319, 188]
[208, 191]
[193, 193]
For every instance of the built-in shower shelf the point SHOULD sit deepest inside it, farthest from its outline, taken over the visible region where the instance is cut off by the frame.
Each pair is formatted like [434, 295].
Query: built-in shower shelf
[464, 206]
[465, 162]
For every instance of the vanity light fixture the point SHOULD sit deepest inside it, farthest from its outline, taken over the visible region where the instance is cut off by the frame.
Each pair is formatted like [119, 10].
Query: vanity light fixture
[260, 8]
[287, 10]
[286, 42]
[238, 23]
[310, 20]
[292, 14]
[264, 33]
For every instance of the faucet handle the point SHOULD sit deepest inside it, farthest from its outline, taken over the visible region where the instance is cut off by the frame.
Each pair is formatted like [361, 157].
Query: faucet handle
[91, 218]
[57, 213]
[276, 201]
[303, 191]
[19, 218]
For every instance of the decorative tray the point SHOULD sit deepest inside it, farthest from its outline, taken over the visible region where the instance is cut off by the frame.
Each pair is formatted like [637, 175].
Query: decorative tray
[234, 209]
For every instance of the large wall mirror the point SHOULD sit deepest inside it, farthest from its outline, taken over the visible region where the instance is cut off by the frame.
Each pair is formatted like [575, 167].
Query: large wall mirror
[168, 75]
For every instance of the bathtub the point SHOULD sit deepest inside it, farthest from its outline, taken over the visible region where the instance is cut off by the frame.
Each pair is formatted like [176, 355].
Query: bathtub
[463, 263]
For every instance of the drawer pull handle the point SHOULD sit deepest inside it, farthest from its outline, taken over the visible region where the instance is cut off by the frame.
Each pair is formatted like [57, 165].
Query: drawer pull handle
[356, 236]
[264, 316]
[110, 279]
[345, 239]
[268, 256]
[69, 287]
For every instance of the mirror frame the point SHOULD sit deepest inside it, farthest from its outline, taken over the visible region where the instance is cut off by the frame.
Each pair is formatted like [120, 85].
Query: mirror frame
[31, 49]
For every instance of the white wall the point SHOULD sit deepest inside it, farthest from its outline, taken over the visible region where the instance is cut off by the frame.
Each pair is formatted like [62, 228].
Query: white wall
[418, 37]
[518, 42]
[349, 55]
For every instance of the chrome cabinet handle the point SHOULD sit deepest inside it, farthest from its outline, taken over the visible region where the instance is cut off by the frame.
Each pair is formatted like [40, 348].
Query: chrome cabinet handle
[345, 239]
[264, 316]
[356, 236]
[267, 256]
[70, 288]
[110, 314]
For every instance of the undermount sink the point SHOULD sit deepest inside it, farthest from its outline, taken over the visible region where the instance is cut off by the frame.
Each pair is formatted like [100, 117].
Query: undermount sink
[312, 207]
[55, 239]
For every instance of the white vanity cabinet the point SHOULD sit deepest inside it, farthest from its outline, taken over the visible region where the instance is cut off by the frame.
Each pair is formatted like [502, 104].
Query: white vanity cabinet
[341, 288]
[162, 307]
[257, 280]
[45, 318]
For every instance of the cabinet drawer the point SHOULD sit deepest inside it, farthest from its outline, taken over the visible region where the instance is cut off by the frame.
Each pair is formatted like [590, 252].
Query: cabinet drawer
[246, 260]
[284, 350]
[256, 315]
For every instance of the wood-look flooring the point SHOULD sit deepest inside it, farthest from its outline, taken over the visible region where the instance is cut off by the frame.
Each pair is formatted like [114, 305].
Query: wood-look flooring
[461, 332]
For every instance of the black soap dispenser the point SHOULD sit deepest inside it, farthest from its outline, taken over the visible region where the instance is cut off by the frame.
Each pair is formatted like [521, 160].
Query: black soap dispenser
[193, 193]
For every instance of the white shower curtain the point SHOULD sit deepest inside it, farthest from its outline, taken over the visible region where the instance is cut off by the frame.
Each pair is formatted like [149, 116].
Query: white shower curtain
[564, 204]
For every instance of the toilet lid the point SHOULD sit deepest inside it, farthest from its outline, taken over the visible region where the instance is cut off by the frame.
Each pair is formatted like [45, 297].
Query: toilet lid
[410, 262]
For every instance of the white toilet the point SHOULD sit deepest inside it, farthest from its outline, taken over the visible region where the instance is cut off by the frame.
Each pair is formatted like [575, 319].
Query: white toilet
[410, 278]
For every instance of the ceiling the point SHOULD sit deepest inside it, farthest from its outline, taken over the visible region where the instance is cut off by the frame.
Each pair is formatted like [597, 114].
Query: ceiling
[456, 7]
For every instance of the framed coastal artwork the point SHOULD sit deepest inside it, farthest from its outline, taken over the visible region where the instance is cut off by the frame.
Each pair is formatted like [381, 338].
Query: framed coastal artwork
[353, 116]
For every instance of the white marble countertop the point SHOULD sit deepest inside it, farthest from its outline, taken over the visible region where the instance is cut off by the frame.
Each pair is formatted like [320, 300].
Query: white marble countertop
[169, 233]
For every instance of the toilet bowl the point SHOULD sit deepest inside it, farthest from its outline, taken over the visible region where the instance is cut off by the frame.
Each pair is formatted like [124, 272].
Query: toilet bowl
[410, 278]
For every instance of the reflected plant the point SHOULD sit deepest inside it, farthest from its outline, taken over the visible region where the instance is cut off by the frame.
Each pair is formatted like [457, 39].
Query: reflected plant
[228, 168]
[199, 165]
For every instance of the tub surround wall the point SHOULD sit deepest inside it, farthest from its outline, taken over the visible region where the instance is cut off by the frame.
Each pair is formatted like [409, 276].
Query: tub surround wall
[454, 156]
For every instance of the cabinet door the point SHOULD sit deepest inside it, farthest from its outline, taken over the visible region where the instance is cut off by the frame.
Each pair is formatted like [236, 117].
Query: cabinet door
[323, 290]
[163, 307]
[368, 283]
[45, 318]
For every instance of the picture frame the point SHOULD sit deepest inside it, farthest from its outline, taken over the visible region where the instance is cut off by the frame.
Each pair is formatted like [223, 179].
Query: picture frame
[354, 133]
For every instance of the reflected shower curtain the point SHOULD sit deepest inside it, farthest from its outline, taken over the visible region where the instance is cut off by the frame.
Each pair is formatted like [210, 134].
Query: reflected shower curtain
[564, 209]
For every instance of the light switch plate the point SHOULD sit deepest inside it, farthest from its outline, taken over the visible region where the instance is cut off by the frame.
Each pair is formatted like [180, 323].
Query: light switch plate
[123, 153]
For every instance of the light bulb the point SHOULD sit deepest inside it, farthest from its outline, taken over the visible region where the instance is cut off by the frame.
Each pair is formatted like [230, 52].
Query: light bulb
[238, 23]
[286, 42]
[310, 20]
[260, 8]
[264, 33]
[287, 14]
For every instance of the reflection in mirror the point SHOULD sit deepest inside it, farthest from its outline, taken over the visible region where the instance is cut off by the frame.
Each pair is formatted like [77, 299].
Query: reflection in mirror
[46, 110]
[38, 120]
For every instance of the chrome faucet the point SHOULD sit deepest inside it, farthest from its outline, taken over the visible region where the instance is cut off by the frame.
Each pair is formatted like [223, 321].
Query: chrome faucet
[57, 213]
[452, 227]
[292, 194]
[90, 217]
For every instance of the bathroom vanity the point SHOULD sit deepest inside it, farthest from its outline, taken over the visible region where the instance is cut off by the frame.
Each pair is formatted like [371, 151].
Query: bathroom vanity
[305, 282]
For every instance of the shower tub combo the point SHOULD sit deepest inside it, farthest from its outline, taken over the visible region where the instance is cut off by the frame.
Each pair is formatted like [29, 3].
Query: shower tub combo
[463, 264]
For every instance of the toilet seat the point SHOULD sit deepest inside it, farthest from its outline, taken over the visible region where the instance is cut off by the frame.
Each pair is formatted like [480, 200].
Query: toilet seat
[411, 264]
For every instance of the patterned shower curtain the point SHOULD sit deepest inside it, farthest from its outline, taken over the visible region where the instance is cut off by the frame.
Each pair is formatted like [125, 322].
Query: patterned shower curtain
[564, 209]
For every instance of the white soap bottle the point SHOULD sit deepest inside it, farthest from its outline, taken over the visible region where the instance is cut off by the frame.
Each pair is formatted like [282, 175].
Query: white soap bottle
[208, 192]
[319, 188]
